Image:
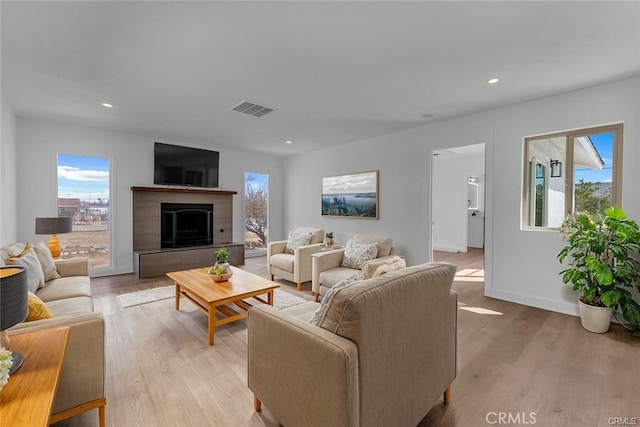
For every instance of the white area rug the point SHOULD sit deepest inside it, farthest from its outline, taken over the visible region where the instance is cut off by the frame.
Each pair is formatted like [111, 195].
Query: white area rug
[282, 299]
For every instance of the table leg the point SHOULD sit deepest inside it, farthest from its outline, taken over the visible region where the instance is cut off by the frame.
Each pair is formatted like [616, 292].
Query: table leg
[212, 323]
[270, 297]
[177, 296]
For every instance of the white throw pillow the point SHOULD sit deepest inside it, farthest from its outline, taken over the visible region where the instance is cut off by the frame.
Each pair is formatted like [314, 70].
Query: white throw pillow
[321, 312]
[356, 254]
[46, 261]
[297, 239]
[29, 260]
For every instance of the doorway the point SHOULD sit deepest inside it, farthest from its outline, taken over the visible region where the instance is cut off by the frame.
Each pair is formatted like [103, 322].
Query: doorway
[458, 209]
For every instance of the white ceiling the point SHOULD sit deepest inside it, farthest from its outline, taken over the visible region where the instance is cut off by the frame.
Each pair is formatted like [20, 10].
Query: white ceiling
[336, 72]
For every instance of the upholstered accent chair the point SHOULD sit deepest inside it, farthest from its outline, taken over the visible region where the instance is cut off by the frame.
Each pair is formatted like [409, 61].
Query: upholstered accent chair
[291, 259]
[382, 354]
[331, 267]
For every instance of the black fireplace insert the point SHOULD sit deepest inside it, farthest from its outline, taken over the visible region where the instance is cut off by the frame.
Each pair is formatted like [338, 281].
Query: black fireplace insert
[186, 224]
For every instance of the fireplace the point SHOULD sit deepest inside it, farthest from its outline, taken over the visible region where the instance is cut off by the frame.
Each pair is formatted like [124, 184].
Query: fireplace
[186, 224]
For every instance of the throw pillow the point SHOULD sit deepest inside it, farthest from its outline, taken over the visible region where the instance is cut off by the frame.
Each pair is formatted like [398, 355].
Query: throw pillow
[356, 254]
[297, 239]
[29, 260]
[38, 310]
[46, 261]
[321, 312]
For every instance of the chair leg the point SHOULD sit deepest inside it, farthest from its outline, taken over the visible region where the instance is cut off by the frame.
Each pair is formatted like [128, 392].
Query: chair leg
[257, 405]
[316, 296]
[272, 277]
[447, 395]
[299, 286]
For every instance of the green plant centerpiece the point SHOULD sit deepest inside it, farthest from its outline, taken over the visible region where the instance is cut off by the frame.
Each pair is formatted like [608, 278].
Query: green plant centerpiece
[221, 270]
[604, 262]
[329, 238]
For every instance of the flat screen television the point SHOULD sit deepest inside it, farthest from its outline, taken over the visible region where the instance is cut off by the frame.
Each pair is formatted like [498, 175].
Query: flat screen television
[191, 167]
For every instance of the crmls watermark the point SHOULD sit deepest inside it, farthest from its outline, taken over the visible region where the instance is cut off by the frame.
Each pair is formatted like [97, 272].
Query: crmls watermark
[512, 418]
[622, 421]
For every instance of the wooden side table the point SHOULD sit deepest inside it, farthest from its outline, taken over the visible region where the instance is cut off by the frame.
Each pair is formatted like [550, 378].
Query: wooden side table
[27, 399]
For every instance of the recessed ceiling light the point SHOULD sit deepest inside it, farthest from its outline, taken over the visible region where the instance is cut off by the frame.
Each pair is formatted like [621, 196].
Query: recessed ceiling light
[107, 105]
[493, 81]
[289, 142]
[427, 116]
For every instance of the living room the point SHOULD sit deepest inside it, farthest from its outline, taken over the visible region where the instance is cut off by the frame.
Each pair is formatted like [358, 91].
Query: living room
[520, 265]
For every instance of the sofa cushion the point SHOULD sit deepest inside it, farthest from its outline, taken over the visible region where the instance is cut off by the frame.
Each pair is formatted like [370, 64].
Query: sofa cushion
[28, 259]
[330, 277]
[303, 311]
[282, 261]
[38, 310]
[46, 261]
[356, 254]
[65, 287]
[296, 239]
[71, 306]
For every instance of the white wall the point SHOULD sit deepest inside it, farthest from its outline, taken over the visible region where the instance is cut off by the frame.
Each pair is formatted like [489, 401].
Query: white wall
[520, 265]
[131, 157]
[449, 210]
[8, 191]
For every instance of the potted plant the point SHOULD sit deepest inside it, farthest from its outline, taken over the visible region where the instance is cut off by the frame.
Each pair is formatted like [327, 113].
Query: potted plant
[329, 238]
[603, 255]
[221, 271]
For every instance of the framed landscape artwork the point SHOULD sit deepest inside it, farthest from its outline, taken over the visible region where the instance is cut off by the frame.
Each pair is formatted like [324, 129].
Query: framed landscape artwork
[354, 195]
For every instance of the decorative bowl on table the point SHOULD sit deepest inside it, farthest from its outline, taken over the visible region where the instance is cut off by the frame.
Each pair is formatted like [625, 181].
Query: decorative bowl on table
[221, 277]
[221, 272]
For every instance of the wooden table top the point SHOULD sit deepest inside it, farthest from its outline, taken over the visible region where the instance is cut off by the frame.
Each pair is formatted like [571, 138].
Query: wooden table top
[27, 399]
[242, 283]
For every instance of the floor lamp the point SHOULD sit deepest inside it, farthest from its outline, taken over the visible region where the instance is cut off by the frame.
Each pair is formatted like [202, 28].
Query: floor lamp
[13, 306]
[54, 226]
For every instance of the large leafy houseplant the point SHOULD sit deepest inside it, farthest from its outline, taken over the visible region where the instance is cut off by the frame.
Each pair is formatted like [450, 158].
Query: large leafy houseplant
[604, 261]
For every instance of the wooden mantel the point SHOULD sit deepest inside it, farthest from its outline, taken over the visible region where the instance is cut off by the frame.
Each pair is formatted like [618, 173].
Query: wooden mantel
[184, 190]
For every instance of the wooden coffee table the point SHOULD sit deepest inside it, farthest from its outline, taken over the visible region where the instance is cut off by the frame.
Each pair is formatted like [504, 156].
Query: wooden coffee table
[228, 299]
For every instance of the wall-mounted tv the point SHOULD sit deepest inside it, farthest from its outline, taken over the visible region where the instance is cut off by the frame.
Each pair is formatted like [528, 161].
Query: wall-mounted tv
[192, 167]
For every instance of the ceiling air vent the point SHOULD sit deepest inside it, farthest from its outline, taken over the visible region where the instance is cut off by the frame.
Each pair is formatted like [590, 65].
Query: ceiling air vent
[253, 109]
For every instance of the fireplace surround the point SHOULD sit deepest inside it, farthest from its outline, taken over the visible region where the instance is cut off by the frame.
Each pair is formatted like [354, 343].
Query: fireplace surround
[153, 258]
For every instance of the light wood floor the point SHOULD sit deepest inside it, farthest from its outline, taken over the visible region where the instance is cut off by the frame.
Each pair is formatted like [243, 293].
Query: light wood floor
[512, 359]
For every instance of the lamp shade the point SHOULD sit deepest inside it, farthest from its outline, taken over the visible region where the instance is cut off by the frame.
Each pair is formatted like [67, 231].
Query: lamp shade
[13, 296]
[56, 225]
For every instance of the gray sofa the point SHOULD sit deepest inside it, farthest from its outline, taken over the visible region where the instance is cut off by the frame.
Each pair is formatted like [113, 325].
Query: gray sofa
[383, 354]
[82, 381]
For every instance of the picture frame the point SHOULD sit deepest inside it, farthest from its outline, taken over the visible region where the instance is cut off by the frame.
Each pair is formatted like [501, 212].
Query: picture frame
[353, 195]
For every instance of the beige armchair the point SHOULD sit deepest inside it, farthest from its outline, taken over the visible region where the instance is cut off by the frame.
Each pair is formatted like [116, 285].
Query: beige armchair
[294, 267]
[383, 354]
[327, 269]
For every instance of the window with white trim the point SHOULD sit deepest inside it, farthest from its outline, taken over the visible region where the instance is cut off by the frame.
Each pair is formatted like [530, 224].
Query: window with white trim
[571, 173]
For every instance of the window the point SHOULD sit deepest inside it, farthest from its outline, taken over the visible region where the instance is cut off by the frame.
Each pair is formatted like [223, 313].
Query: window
[256, 208]
[83, 194]
[572, 172]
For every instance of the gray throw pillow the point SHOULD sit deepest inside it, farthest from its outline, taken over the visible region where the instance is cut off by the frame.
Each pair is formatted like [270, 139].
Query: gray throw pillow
[297, 239]
[356, 254]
